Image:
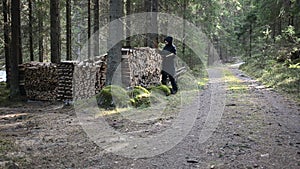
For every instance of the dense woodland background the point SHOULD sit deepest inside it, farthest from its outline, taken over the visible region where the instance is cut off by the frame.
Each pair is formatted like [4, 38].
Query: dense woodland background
[264, 34]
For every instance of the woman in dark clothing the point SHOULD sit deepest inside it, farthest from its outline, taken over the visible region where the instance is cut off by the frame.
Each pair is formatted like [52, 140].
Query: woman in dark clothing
[168, 64]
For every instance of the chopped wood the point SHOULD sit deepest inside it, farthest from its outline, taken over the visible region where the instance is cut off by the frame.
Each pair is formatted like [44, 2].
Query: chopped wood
[71, 80]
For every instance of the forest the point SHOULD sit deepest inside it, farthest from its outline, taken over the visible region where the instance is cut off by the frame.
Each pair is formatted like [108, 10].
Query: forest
[82, 84]
[263, 34]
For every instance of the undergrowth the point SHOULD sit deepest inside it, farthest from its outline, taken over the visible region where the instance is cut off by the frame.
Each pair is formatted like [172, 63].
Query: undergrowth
[283, 77]
[4, 95]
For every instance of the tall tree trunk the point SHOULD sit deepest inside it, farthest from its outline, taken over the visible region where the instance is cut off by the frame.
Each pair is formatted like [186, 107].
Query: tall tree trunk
[210, 54]
[30, 31]
[41, 35]
[274, 31]
[6, 40]
[68, 27]
[154, 27]
[164, 24]
[89, 29]
[55, 31]
[184, 27]
[147, 8]
[279, 26]
[250, 40]
[96, 28]
[15, 49]
[115, 35]
[151, 23]
[128, 24]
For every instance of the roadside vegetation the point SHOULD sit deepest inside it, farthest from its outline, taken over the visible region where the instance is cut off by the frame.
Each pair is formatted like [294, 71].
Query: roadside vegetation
[277, 64]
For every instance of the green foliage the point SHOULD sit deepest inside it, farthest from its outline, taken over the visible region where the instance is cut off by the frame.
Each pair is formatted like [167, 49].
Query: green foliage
[140, 97]
[295, 66]
[280, 76]
[112, 97]
[141, 101]
[162, 89]
[137, 90]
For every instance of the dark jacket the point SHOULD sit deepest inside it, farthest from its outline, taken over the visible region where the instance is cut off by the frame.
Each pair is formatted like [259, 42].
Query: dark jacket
[168, 64]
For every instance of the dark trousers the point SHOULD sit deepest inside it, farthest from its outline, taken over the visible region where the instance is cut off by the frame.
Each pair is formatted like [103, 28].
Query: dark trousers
[165, 76]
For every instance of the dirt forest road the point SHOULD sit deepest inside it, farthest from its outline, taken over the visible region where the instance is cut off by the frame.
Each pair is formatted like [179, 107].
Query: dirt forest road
[259, 128]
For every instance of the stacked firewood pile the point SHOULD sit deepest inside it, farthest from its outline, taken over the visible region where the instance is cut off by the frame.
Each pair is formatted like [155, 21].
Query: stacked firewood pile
[145, 67]
[40, 80]
[81, 80]
[71, 80]
[84, 81]
[65, 80]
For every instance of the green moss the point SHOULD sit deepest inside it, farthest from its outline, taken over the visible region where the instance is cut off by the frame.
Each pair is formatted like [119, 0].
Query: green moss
[141, 101]
[162, 89]
[137, 90]
[139, 97]
[113, 96]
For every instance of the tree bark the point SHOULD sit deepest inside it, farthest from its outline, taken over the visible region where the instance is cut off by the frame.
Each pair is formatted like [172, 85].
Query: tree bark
[151, 6]
[164, 23]
[55, 31]
[250, 40]
[147, 8]
[6, 40]
[184, 26]
[96, 28]
[41, 35]
[15, 49]
[30, 31]
[114, 39]
[154, 27]
[128, 24]
[89, 29]
[69, 31]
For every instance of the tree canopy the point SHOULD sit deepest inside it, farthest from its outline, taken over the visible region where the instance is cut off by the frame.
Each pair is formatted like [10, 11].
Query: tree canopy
[258, 32]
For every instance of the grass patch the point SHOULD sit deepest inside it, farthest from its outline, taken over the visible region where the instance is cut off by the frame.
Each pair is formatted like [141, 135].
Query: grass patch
[5, 101]
[233, 83]
[282, 77]
[158, 99]
[162, 89]
[6, 145]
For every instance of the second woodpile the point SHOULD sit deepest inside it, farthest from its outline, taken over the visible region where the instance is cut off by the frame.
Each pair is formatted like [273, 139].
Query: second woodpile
[89, 78]
[145, 67]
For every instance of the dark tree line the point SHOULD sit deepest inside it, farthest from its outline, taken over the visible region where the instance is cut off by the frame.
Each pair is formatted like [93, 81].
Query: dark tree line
[37, 30]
